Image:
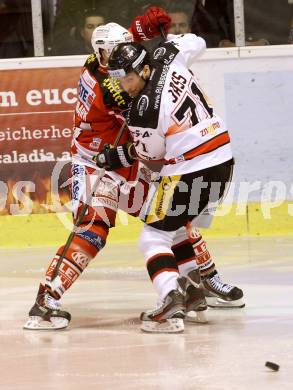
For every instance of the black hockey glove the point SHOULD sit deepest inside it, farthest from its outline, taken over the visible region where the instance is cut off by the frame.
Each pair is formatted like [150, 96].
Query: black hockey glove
[112, 158]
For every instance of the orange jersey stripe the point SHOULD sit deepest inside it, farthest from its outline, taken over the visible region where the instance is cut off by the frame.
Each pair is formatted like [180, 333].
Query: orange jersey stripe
[216, 142]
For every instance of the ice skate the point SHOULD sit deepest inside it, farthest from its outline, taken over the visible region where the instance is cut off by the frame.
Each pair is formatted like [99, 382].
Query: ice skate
[221, 295]
[195, 302]
[46, 314]
[168, 318]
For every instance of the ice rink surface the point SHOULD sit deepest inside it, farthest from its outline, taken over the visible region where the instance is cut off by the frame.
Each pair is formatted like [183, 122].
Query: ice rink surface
[104, 348]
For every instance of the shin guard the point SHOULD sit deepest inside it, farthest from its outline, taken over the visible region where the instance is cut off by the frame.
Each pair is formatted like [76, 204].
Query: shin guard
[83, 248]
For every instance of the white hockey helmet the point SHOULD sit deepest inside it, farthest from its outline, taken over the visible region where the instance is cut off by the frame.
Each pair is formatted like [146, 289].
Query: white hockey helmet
[107, 36]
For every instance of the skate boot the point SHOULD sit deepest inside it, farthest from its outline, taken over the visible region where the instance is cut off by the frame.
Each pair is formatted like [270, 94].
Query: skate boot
[221, 295]
[195, 302]
[168, 318]
[46, 313]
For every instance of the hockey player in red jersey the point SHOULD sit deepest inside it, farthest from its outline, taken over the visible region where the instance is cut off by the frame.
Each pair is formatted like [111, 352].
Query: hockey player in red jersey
[97, 121]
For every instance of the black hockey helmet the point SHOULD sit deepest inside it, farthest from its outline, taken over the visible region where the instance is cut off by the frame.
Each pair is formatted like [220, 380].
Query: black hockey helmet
[127, 57]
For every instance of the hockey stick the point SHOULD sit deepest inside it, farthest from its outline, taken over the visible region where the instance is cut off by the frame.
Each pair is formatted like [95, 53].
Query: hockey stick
[84, 208]
[162, 32]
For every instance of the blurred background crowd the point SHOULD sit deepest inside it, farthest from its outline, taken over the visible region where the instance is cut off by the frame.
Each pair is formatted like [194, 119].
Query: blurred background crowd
[68, 24]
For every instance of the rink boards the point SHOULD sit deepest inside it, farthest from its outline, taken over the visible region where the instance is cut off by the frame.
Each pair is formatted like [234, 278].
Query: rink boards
[52, 229]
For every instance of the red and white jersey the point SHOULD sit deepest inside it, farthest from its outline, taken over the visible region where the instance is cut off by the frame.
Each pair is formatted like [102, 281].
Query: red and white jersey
[171, 120]
[97, 118]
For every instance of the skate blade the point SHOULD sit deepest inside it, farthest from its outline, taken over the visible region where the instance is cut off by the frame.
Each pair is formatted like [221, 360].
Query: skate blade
[172, 325]
[218, 303]
[37, 323]
[196, 316]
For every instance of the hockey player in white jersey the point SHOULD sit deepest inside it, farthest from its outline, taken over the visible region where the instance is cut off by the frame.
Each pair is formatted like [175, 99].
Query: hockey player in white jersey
[171, 122]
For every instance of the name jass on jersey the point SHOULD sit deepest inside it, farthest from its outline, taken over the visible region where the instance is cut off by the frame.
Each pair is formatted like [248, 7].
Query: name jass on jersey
[176, 86]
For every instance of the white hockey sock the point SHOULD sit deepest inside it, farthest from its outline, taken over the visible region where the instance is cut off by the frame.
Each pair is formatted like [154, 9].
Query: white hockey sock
[164, 283]
[185, 268]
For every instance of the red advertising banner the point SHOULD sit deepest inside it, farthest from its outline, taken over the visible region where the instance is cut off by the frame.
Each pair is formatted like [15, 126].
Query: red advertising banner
[36, 119]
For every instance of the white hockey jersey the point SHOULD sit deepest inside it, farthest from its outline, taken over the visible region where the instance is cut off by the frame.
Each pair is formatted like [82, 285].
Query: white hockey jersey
[171, 120]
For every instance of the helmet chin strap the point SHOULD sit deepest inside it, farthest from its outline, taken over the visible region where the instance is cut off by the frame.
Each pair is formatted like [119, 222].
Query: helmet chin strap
[102, 60]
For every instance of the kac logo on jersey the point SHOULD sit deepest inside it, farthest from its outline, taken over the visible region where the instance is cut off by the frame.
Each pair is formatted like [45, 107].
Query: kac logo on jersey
[159, 52]
[142, 104]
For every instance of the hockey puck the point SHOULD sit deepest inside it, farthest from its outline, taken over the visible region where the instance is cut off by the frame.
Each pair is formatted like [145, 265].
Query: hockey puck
[272, 366]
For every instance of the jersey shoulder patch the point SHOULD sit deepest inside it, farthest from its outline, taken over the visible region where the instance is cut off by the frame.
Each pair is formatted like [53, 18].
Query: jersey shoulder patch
[165, 53]
[145, 108]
